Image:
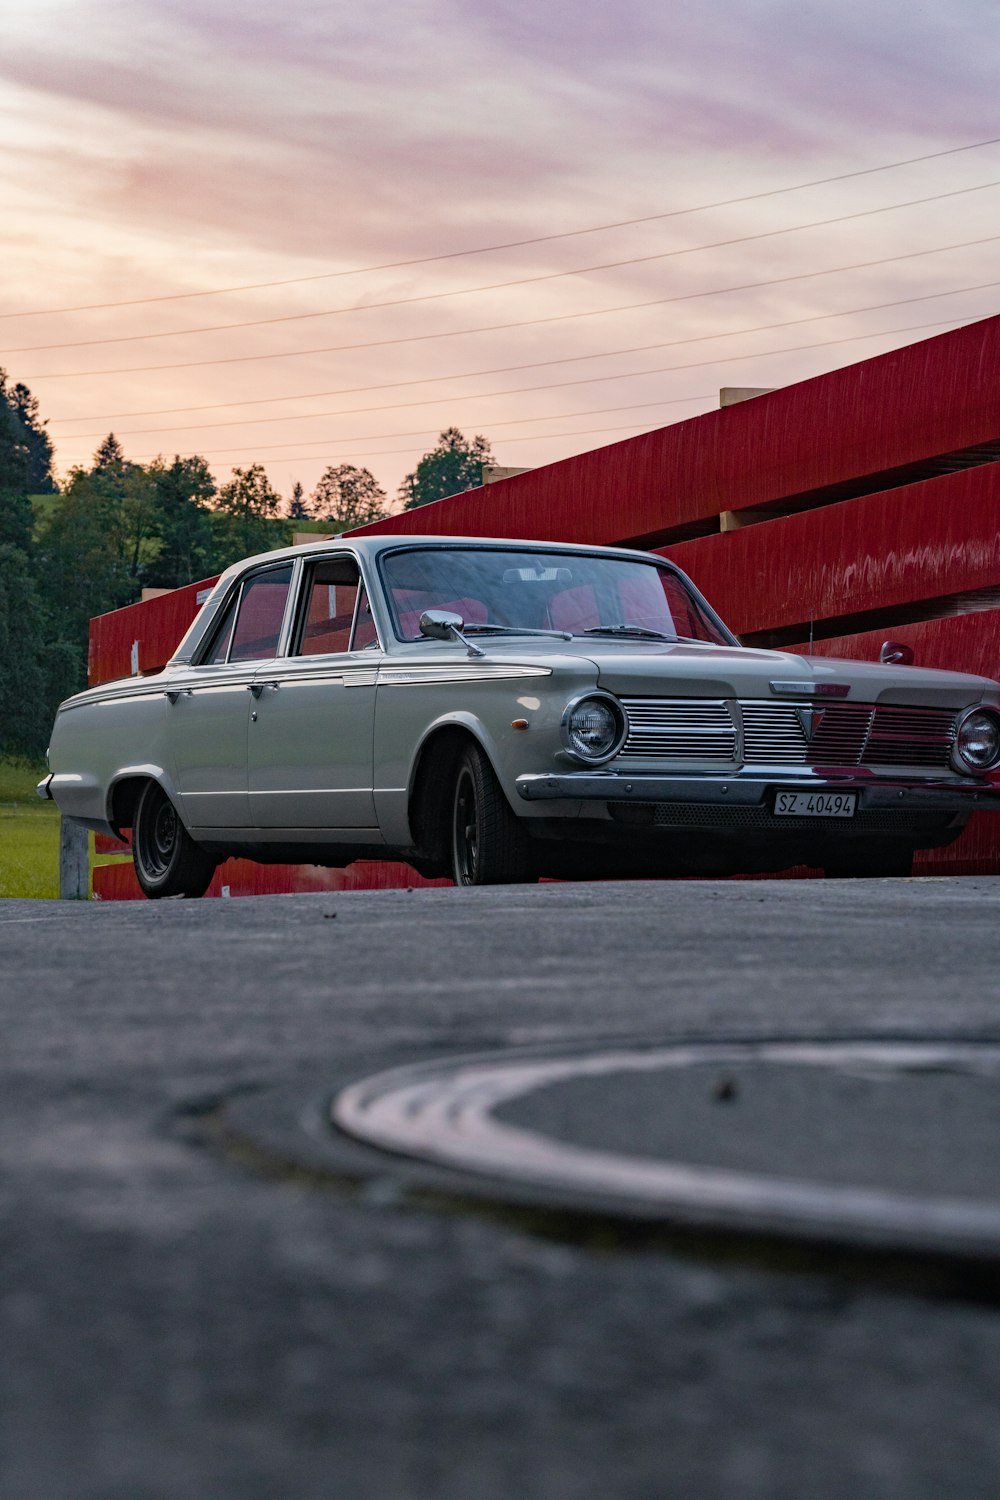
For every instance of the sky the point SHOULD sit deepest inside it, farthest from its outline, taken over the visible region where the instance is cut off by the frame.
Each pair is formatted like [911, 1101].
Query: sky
[322, 234]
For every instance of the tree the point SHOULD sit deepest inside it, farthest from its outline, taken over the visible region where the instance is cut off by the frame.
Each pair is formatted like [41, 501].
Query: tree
[246, 515]
[182, 521]
[452, 466]
[22, 407]
[110, 458]
[92, 548]
[16, 517]
[346, 497]
[298, 506]
[37, 667]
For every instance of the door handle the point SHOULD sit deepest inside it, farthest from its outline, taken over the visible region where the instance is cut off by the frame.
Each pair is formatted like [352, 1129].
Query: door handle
[257, 688]
[172, 694]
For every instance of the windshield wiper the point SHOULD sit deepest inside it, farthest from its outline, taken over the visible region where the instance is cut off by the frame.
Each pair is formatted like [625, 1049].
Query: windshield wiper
[634, 630]
[487, 627]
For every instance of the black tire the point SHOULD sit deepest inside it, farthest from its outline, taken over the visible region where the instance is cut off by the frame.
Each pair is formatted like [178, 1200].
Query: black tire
[870, 864]
[167, 860]
[488, 844]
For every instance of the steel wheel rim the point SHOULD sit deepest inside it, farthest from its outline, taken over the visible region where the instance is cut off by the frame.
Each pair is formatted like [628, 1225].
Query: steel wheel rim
[157, 837]
[466, 829]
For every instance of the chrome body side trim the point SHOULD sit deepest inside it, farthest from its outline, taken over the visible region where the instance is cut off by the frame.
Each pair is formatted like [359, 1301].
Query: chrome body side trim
[479, 672]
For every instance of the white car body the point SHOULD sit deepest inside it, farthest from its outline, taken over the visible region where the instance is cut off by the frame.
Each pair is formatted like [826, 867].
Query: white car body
[322, 741]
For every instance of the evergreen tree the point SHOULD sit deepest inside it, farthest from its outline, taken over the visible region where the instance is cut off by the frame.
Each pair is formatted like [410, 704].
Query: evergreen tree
[298, 506]
[16, 517]
[109, 458]
[24, 408]
[346, 497]
[37, 667]
[24, 711]
[452, 465]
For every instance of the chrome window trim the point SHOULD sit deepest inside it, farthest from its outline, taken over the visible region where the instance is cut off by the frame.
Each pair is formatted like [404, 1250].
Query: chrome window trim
[288, 619]
[376, 644]
[306, 568]
[240, 584]
[622, 554]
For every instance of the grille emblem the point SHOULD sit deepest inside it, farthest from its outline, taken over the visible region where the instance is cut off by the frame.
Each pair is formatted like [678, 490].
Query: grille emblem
[810, 719]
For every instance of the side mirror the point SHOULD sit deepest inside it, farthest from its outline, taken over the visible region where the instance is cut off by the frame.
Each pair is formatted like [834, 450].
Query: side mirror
[440, 624]
[894, 654]
[444, 625]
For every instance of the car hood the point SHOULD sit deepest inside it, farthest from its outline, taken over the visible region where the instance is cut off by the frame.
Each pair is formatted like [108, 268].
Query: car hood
[743, 672]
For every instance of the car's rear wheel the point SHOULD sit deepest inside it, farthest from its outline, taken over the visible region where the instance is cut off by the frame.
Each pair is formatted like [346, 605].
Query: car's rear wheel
[488, 844]
[167, 860]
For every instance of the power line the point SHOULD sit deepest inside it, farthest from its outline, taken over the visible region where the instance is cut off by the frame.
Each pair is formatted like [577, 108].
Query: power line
[633, 374]
[496, 286]
[533, 437]
[507, 245]
[419, 432]
[568, 359]
[656, 302]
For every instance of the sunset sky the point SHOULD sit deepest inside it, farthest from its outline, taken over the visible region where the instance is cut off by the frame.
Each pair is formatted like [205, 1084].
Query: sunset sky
[347, 182]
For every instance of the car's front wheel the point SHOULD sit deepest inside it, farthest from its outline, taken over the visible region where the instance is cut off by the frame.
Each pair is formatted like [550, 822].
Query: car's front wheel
[167, 860]
[488, 844]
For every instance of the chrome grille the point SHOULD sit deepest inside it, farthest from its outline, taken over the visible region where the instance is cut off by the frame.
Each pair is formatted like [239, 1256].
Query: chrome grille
[679, 729]
[773, 734]
[789, 734]
[776, 733]
[846, 734]
[910, 737]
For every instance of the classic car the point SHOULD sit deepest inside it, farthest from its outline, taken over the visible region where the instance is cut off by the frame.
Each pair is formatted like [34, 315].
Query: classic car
[494, 711]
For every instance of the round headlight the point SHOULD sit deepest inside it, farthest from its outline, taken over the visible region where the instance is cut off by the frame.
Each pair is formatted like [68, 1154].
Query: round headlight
[978, 741]
[593, 728]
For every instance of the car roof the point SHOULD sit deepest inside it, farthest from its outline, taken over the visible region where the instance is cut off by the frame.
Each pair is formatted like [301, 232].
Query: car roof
[372, 546]
[369, 548]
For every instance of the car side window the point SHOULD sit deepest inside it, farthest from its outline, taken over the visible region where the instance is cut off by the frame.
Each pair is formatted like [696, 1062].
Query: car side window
[259, 615]
[219, 649]
[334, 598]
[365, 633]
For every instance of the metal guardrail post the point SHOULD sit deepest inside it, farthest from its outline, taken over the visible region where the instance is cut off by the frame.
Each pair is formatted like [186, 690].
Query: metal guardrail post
[74, 861]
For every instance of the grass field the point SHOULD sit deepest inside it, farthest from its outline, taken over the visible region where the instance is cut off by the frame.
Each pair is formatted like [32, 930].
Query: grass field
[29, 833]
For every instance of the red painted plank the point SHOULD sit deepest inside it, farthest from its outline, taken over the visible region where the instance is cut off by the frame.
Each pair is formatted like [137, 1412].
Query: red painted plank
[157, 624]
[244, 878]
[926, 399]
[878, 552]
[963, 643]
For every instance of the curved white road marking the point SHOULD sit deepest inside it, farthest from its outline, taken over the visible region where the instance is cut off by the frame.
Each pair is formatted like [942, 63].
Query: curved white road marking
[443, 1112]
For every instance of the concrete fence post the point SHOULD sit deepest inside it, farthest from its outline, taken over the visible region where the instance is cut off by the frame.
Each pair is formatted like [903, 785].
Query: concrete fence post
[74, 861]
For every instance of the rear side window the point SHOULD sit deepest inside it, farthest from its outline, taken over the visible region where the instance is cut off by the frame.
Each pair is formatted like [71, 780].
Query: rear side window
[219, 649]
[258, 616]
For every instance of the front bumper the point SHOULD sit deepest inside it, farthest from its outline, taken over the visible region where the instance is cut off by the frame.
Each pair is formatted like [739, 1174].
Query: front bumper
[951, 796]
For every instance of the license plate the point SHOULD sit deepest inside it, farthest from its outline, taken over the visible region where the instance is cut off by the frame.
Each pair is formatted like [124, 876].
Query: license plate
[815, 804]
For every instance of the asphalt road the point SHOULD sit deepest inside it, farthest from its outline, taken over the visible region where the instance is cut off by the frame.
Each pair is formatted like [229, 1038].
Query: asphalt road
[180, 1321]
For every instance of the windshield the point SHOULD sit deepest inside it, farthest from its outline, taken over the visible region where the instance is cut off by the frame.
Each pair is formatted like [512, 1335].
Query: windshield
[572, 592]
